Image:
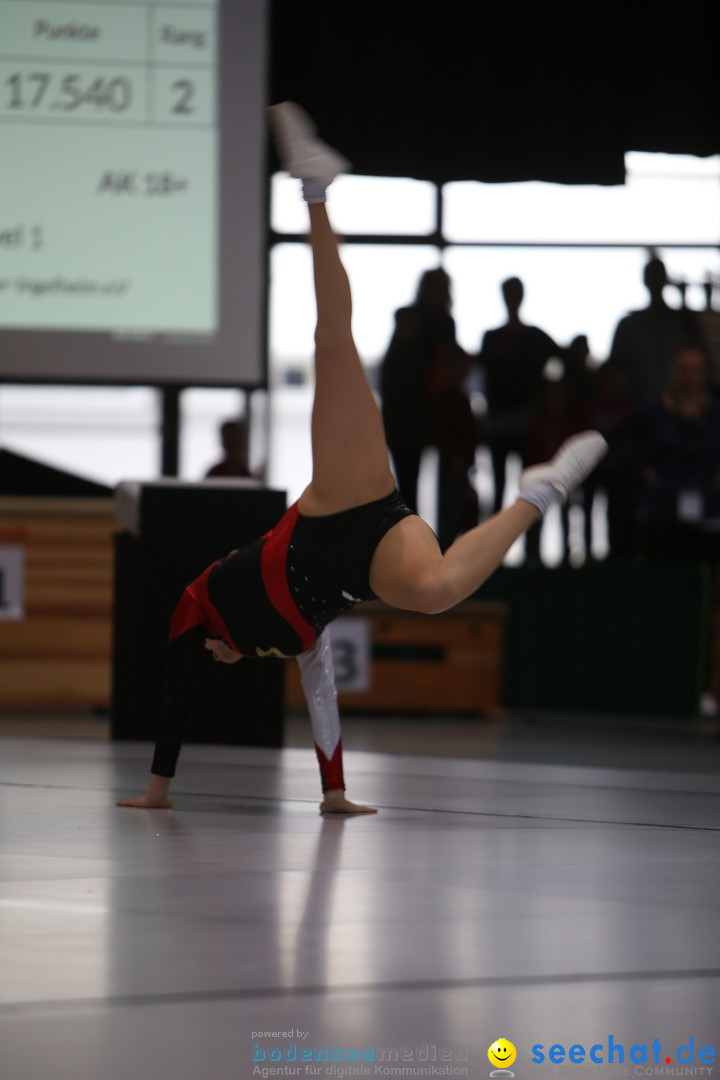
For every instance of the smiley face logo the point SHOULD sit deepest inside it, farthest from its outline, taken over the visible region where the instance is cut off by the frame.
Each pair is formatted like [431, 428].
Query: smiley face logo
[502, 1053]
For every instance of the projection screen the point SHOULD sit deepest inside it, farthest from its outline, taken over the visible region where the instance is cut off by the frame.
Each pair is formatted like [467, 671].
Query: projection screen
[132, 191]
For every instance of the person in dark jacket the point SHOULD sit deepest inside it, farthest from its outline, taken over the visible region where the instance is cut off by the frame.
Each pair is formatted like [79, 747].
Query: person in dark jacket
[514, 357]
[423, 332]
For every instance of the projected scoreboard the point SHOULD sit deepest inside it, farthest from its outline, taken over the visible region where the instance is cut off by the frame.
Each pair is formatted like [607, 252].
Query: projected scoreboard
[108, 155]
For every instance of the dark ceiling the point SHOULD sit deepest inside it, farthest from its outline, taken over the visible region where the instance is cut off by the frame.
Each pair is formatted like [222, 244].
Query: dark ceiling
[498, 92]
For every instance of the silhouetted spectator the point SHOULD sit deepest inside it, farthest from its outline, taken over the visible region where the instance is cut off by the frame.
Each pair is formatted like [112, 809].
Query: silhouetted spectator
[551, 424]
[645, 340]
[710, 321]
[234, 438]
[420, 330]
[455, 434]
[603, 406]
[578, 373]
[674, 445]
[513, 356]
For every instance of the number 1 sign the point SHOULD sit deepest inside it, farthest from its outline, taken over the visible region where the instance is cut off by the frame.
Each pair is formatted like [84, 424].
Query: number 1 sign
[11, 582]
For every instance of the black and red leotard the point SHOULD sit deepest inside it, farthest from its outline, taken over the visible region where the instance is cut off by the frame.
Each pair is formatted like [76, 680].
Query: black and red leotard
[274, 597]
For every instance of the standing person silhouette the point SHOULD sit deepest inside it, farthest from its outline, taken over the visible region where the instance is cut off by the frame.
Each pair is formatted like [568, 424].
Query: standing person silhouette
[349, 537]
[513, 356]
[424, 332]
[645, 340]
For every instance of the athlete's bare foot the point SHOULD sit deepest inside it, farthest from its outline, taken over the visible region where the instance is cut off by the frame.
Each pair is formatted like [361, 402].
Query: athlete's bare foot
[334, 802]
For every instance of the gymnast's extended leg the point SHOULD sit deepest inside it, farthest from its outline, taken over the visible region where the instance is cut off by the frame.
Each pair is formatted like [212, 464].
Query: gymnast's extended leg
[409, 570]
[350, 459]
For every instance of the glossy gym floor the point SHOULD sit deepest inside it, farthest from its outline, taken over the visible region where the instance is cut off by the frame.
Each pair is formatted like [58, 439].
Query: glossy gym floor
[545, 903]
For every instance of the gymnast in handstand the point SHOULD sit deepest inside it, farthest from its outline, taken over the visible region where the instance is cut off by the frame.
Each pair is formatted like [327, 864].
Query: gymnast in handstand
[349, 537]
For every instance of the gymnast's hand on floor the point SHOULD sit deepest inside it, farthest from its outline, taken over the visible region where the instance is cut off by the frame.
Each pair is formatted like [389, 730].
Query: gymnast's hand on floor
[334, 802]
[161, 802]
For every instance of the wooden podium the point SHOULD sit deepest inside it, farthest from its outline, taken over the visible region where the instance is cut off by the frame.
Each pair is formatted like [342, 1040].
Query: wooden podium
[56, 652]
[425, 663]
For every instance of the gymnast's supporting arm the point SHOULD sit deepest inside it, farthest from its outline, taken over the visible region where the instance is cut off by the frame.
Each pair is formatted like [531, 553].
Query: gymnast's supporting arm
[318, 683]
[182, 661]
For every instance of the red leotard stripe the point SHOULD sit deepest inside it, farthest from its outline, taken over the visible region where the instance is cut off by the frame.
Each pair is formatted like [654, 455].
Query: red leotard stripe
[195, 607]
[272, 564]
[186, 615]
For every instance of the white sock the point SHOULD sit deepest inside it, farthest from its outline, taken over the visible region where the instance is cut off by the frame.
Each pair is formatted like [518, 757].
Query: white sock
[542, 495]
[313, 190]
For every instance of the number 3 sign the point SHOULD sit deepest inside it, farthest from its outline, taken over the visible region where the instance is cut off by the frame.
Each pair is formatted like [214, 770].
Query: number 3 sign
[350, 641]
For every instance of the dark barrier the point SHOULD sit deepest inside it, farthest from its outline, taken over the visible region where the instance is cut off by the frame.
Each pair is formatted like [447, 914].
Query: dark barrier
[178, 530]
[608, 638]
